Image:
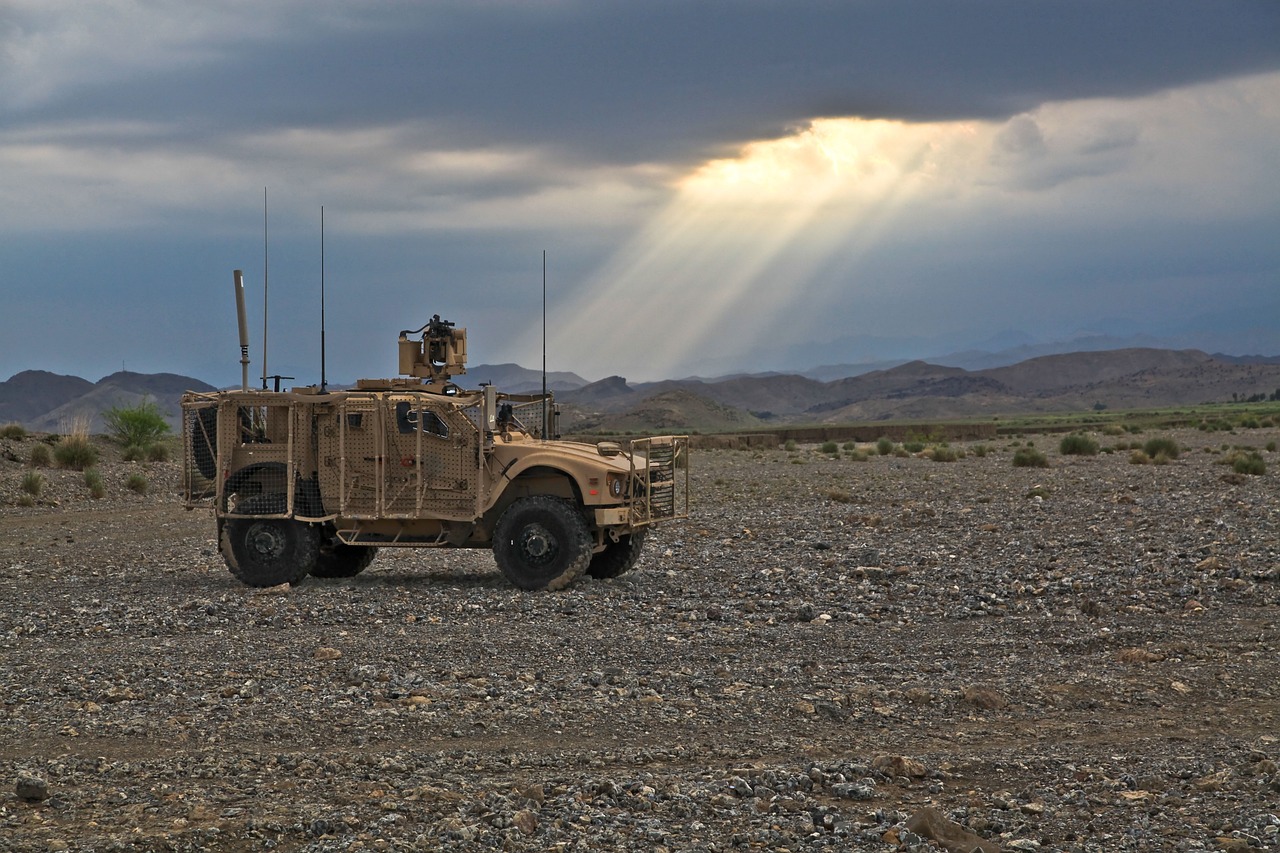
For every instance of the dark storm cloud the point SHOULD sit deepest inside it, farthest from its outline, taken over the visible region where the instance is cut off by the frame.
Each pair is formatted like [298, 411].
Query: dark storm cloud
[676, 80]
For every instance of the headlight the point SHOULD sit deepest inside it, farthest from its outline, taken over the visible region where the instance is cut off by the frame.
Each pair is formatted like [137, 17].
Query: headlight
[615, 485]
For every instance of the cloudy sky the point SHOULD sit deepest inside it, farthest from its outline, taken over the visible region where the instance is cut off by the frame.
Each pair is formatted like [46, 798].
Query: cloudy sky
[717, 185]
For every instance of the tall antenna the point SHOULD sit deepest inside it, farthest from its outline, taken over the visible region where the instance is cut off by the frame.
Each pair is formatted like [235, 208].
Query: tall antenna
[238, 278]
[323, 383]
[264, 288]
[545, 425]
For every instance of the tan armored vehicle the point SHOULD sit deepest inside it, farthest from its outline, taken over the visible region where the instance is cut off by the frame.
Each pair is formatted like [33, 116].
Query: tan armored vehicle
[311, 481]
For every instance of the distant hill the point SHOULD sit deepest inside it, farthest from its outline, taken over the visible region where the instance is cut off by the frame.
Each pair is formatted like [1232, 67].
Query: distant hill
[1136, 377]
[49, 402]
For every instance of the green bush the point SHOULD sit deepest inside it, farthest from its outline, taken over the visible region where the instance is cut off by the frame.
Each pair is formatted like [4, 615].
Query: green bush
[13, 430]
[41, 456]
[830, 448]
[1078, 444]
[32, 483]
[75, 452]
[1161, 445]
[141, 425]
[1248, 463]
[884, 446]
[136, 483]
[857, 455]
[790, 445]
[942, 453]
[980, 450]
[93, 480]
[159, 452]
[1271, 447]
[849, 445]
[1029, 457]
[913, 446]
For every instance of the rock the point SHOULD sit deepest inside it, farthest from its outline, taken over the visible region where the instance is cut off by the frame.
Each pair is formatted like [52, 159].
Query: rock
[326, 653]
[861, 790]
[931, 824]
[526, 821]
[984, 698]
[898, 765]
[32, 789]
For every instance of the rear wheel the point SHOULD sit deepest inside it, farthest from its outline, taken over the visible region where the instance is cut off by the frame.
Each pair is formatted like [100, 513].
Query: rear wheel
[617, 558]
[542, 542]
[268, 551]
[341, 560]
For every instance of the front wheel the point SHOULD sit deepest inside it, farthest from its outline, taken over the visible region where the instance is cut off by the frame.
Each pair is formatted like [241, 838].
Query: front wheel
[268, 551]
[619, 557]
[542, 542]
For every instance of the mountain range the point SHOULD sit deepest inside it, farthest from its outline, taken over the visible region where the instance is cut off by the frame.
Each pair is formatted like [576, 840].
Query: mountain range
[1129, 378]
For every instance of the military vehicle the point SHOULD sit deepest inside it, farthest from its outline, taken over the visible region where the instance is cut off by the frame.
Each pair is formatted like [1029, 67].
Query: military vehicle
[312, 481]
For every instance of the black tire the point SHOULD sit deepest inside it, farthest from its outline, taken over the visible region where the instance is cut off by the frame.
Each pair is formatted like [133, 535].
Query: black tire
[341, 560]
[542, 542]
[268, 551]
[617, 558]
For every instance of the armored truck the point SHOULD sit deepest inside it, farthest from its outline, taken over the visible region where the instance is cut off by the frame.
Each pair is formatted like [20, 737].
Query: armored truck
[312, 481]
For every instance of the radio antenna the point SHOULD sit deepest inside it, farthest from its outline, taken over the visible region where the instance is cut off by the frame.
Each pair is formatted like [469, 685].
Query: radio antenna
[323, 383]
[238, 277]
[545, 425]
[264, 288]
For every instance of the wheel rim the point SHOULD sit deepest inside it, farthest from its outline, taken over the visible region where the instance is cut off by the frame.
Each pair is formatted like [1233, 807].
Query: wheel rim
[265, 541]
[538, 546]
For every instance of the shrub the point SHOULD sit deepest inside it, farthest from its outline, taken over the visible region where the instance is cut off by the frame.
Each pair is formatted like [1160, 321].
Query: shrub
[790, 445]
[1029, 457]
[1078, 444]
[93, 480]
[136, 483]
[858, 456]
[1113, 430]
[1137, 457]
[913, 446]
[41, 456]
[159, 452]
[849, 445]
[1161, 444]
[75, 452]
[32, 483]
[839, 496]
[1271, 447]
[26, 500]
[1250, 462]
[13, 430]
[884, 446]
[944, 454]
[979, 450]
[830, 448]
[141, 425]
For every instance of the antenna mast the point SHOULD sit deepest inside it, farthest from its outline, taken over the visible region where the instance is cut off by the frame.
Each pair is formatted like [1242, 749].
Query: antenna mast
[264, 288]
[323, 383]
[545, 424]
[238, 277]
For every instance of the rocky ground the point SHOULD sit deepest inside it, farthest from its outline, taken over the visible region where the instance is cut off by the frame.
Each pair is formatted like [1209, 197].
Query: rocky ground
[889, 654]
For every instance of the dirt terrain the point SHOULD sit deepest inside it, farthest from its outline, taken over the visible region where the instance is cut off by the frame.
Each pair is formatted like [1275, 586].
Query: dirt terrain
[889, 654]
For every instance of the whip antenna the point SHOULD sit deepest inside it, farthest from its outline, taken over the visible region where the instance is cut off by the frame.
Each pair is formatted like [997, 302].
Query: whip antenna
[323, 383]
[546, 431]
[264, 289]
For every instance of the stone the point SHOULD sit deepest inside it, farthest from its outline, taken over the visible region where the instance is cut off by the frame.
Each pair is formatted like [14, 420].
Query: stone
[326, 653]
[32, 789]
[951, 836]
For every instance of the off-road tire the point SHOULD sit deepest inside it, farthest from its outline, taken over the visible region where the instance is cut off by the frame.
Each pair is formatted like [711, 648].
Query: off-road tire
[542, 542]
[617, 558]
[268, 551]
[341, 560]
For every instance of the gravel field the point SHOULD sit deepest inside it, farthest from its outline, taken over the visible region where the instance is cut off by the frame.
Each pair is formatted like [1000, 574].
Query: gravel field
[889, 654]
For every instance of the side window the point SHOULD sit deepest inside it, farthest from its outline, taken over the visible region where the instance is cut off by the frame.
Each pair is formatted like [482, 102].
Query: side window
[409, 419]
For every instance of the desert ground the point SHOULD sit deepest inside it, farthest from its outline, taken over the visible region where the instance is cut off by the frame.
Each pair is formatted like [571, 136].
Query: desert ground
[884, 654]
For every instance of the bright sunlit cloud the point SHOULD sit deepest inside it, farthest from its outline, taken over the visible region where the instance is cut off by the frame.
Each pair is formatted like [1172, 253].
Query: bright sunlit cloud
[750, 242]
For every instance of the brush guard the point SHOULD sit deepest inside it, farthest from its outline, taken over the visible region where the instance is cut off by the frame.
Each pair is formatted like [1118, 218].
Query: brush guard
[660, 475]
